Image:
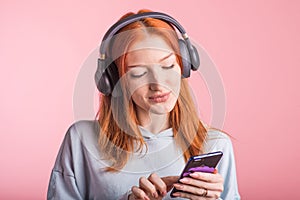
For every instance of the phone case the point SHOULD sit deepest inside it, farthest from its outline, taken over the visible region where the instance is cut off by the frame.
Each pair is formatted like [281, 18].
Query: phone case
[202, 163]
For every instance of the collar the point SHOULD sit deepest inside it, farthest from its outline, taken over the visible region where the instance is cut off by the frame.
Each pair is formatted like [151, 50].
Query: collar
[149, 135]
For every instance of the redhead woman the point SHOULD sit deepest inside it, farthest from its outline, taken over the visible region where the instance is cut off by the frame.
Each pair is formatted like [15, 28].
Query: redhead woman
[147, 126]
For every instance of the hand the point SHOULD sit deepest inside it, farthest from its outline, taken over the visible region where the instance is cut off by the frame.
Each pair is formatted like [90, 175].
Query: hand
[200, 186]
[153, 187]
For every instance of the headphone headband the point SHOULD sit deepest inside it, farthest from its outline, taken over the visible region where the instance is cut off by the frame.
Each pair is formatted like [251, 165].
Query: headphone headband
[133, 18]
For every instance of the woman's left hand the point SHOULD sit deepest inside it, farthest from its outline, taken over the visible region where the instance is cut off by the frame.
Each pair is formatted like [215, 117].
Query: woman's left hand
[200, 186]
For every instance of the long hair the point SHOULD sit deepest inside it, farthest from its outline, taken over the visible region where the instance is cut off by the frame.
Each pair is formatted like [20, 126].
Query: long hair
[119, 135]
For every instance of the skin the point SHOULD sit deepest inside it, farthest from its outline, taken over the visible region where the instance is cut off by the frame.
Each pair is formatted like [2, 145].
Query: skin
[153, 79]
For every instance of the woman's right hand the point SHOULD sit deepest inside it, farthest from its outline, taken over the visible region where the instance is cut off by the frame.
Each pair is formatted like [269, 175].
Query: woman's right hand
[153, 187]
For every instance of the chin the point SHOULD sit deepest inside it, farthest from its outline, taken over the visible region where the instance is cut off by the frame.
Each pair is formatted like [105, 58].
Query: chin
[161, 109]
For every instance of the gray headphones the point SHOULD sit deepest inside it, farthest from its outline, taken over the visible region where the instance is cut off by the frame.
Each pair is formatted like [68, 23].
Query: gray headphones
[107, 76]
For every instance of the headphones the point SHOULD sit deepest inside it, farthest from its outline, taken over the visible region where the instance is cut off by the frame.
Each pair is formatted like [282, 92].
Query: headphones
[107, 76]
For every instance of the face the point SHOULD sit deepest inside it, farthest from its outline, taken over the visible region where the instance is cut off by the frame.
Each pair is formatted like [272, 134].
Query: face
[153, 76]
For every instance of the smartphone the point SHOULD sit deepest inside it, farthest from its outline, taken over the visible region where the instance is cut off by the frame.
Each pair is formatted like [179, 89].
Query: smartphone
[201, 163]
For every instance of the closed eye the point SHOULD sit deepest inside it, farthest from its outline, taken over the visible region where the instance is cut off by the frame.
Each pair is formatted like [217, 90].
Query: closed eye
[168, 67]
[137, 75]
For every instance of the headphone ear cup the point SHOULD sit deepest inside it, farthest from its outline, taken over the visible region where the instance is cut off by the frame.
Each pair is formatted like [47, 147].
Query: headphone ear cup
[106, 76]
[112, 73]
[195, 60]
[185, 57]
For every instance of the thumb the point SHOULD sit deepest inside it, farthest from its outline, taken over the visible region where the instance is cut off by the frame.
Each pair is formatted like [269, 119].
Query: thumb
[169, 181]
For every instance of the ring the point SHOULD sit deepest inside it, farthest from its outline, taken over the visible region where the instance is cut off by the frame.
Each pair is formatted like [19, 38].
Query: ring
[204, 193]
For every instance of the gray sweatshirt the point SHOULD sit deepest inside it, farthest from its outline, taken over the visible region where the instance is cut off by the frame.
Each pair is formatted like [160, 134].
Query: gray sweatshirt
[79, 170]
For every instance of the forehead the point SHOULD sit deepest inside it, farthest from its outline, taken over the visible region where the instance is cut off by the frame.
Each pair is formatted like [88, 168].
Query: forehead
[150, 49]
[150, 42]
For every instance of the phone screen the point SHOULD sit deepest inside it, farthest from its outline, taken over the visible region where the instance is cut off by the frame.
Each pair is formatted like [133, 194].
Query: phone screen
[202, 163]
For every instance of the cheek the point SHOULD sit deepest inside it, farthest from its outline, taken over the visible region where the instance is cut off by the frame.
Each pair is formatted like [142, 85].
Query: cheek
[174, 83]
[133, 87]
[138, 96]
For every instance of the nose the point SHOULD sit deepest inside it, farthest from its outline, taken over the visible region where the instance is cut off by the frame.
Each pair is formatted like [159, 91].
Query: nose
[155, 87]
[156, 80]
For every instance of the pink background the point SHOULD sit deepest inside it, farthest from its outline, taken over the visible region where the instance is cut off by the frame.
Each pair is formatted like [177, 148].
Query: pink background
[255, 45]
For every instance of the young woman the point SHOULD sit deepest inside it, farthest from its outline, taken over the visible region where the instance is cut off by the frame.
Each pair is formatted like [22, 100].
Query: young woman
[147, 126]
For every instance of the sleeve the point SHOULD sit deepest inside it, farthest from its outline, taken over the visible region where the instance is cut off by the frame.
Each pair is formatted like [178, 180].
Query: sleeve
[62, 184]
[227, 169]
[75, 174]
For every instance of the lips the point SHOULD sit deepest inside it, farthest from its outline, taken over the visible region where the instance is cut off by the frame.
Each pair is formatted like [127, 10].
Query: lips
[159, 98]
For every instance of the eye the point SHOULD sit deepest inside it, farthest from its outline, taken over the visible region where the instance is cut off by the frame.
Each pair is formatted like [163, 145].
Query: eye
[168, 67]
[137, 71]
[135, 75]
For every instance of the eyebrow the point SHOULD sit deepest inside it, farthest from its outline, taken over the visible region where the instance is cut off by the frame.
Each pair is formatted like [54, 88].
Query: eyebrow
[164, 58]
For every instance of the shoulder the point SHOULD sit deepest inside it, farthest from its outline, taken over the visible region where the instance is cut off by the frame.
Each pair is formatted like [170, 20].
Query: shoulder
[86, 131]
[83, 129]
[80, 142]
[78, 148]
[82, 135]
[217, 140]
[84, 126]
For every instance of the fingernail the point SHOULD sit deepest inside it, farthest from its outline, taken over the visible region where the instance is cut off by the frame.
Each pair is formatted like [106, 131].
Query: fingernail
[184, 180]
[163, 193]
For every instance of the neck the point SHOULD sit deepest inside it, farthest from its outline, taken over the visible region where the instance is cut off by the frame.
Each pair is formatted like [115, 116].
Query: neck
[154, 123]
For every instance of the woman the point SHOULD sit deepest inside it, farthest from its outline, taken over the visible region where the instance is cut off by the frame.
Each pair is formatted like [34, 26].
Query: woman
[147, 127]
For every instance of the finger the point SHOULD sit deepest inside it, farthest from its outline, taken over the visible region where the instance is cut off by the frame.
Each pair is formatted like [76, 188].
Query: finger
[132, 197]
[169, 181]
[208, 177]
[159, 183]
[218, 186]
[198, 191]
[148, 187]
[138, 193]
[191, 189]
